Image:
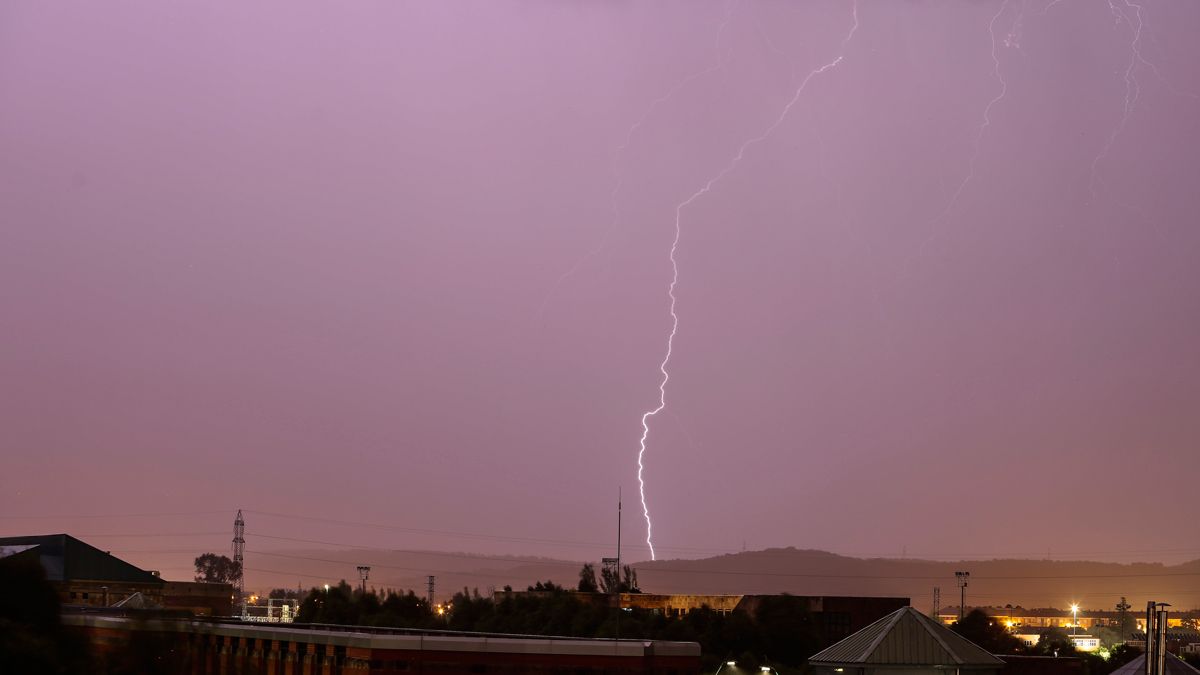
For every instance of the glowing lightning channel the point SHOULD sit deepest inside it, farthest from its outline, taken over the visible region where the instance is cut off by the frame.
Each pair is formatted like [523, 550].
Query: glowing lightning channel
[1010, 40]
[1132, 89]
[708, 186]
[618, 160]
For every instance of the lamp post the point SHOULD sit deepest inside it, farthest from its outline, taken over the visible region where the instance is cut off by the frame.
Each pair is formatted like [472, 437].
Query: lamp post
[963, 578]
[1074, 619]
[727, 664]
[363, 572]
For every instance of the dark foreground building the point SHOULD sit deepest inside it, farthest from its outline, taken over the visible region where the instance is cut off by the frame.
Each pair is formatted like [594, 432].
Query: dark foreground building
[906, 642]
[199, 647]
[83, 575]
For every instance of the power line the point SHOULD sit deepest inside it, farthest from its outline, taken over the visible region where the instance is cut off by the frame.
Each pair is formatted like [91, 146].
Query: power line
[510, 576]
[419, 570]
[655, 567]
[154, 534]
[605, 546]
[111, 515]
[928, 556]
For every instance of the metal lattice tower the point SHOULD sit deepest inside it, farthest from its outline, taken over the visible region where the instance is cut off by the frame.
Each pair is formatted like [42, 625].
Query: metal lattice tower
[239, 554]
[429, 582]
[937, 601]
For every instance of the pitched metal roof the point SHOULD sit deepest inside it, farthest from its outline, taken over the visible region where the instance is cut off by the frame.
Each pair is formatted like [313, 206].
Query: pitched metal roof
[906, 637]
[64, 558]
[1173, 666]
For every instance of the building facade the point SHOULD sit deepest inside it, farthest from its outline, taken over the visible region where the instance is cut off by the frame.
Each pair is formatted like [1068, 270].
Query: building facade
[1088, 619]
[197, 647]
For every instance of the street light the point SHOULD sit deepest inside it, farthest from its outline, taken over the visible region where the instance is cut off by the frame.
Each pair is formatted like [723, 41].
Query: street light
[727, 664]
[363, 572]
[1074, 618]
[963, 578]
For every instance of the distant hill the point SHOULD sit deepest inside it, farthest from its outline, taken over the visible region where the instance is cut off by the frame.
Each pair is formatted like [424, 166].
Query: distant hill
[1029, 583]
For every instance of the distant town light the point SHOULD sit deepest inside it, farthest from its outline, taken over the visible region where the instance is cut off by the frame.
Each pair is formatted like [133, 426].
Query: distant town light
[731, 663]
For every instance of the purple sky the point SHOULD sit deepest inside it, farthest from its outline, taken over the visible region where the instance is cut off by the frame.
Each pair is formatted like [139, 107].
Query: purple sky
[317, 259]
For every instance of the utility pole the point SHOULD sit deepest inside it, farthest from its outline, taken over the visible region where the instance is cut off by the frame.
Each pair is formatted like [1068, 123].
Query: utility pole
[937, 602]
[619, 562]
[962, 578]
[239, 555]
[429, 585]
[363, 572]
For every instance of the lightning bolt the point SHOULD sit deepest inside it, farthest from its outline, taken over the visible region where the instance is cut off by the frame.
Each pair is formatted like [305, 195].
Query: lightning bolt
[1132, 89]
[679, 208]
[984, 124]
[619, 155]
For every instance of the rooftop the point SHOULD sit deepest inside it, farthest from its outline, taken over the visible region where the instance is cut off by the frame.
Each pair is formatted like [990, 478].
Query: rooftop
[906, 637]
[65, 558]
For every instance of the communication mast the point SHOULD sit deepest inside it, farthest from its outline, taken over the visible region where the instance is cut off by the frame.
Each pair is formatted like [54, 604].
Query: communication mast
[239, 554]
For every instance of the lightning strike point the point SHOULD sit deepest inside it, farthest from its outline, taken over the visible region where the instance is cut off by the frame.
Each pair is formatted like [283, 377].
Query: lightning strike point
[708, 186]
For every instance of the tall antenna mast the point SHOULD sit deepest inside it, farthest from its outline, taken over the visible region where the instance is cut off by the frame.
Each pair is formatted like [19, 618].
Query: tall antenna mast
[239, 555]
[618, 535]
[618, 562]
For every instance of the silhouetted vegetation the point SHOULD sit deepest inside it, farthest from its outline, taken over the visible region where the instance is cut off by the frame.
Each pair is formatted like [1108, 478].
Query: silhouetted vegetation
[612, 582]
[1054, 642]
[587, 579]
[1120, 655]
[984, 631]
[214, 568]
[780, 632]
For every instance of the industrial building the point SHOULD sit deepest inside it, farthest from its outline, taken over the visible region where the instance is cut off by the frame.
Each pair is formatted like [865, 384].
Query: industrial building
[212, 647]
[83, 575]
[908, 642]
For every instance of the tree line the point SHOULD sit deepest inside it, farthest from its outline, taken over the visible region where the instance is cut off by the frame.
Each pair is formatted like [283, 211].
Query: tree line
[780, 633]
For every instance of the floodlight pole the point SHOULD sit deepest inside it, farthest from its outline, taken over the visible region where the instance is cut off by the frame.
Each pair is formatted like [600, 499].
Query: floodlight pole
[963, 578]
[363, 572]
